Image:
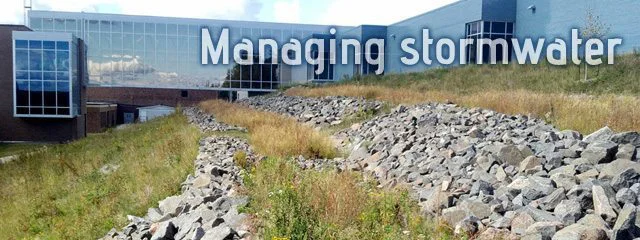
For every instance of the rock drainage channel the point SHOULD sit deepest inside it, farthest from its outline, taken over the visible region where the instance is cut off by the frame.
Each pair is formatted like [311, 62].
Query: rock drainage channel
[208, 206]
[486, 173]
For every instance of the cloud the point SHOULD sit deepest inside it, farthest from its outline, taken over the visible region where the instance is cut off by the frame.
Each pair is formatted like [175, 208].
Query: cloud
[12, 11]
[287, 11]
[376, 12]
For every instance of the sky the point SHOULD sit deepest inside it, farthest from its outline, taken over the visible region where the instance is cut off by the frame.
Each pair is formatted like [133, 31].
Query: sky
[329, 12]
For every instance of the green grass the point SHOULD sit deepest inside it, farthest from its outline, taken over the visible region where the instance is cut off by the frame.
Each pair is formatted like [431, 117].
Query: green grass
[295, 204]
[621, 78]
[60, 193]
[10, 149]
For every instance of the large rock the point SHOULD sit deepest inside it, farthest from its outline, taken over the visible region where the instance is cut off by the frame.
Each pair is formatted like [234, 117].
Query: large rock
[602, 204]
[512, 155]
[625, 226]
[600, 152]
[602, 134]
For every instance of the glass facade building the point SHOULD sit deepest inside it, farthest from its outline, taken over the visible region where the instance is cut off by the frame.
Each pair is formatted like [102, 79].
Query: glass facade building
[160, 52]
[46, 69]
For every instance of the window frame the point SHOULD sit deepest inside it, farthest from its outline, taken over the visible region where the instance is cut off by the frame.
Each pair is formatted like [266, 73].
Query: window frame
[45, 36]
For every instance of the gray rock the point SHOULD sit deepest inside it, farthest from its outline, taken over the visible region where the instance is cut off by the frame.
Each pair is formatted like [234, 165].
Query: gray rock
[164, 231]
[580, 232]
[632, 138]
[551, 201]
[602, 205]
[546, 230]
[600, 152]
[221, 232]
[569, 211]
[512, 155]
[171, 205]
[602, 134]
[625, 226]
[521, 222]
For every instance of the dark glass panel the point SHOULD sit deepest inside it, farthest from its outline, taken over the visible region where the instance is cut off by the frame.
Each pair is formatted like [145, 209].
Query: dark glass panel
[36, 110]
[22, 110]
[498, 27]
[35, 59]
[510, 28]
[50, 111]
[33, 44]
[35, 93]
[49, 61]
[63, 94]
[62, 45]
[487, 27]
[22, 59]
[22, 44]
[63, 76]
[49, 93]
[22, 93]
[49, 76]
[62, 61]
[63, 111]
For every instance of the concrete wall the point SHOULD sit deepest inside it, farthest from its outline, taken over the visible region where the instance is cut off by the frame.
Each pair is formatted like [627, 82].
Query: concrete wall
[554, 18]
[28, 129]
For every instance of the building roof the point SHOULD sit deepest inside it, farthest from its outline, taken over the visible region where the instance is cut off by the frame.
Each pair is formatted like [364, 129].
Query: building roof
[156, 107]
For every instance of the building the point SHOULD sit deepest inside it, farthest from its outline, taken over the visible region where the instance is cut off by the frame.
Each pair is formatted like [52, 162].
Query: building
[101, 116]
[42, 85]
[139, 61]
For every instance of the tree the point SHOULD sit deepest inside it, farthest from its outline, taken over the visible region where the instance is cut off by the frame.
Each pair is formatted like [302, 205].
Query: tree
[594, 28]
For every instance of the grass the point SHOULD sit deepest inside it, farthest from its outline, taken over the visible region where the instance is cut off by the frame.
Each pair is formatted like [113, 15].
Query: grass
[290, 203]
[556, 94]
[10, 149]
[273, 134]
[294, 204]
[60, 193]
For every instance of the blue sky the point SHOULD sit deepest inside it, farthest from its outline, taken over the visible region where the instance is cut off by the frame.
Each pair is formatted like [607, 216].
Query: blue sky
[338, 12]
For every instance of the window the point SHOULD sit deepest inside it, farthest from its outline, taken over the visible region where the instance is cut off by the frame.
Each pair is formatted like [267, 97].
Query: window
[488, 30]
[42, 78]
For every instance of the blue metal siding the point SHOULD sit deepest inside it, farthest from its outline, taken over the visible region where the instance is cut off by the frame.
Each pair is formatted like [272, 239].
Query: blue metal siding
[499, 10]
[448, 21]
[554, 18]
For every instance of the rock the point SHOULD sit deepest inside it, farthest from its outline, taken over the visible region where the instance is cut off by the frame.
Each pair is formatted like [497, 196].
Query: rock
[602, 205]
[510, 154]
[600, 152]
[164, 231]
[468, 226]
[614, 168]
[529, 163]
[493, 233]
[569, 211]
[202, 181]
[546, 230]
[481, 187]
[632, 138]
[221, 232]
[521, 222]
[453, 215]
[626, 195]
[625, 179]
[625, 226]
[171, 205]
[580, 232]
[626, 151]
[551, 201]
[602, 134]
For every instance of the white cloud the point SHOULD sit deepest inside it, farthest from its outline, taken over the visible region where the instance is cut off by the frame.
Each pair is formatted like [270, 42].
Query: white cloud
[12, 11]
[287, 11]
[376, 12]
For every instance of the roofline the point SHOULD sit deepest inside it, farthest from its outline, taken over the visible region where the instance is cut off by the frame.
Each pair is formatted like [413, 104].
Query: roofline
[432, 11]
[180, 18]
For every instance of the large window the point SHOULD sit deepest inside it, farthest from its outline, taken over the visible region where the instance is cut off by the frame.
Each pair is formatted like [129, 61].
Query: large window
[488, 30]
[42, 78]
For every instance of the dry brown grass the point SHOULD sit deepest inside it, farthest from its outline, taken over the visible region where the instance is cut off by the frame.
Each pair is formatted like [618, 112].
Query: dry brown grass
[578, 112]
[272, 134]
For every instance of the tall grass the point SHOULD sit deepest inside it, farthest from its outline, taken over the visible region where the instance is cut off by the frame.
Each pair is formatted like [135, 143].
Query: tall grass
[556, 94]
[295, 204]
[273, 134]
[61, 193]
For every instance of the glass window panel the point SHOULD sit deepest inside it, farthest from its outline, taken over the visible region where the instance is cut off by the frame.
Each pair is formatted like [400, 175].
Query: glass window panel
[22, 60]
[63, 111]
[498, 27]
[116, 26]
[22, 110]
[71, 25]
[22, 75]
[35, 23]
[35, 44]
[194, 30]
[138, 27]
[58, 24]
[94, 26]
[22, 44]
[116, 41]
[149, 28]
[62, 45]
[161, 28]
[127, 41]
[47, 23]
[510, 28]
[50, 76]
[49, 45]
[105, 26]
[49, 60]
[62, 60]
[62, 76]
[127, 27]
[22, 94]
[35, 59]
[172, 43]
[35, 93]
[139, 42]
[149, 43]
[49, 94]
[35, 75]
[183, 30]
[35, 110]
[49, 110]
[172, 29]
